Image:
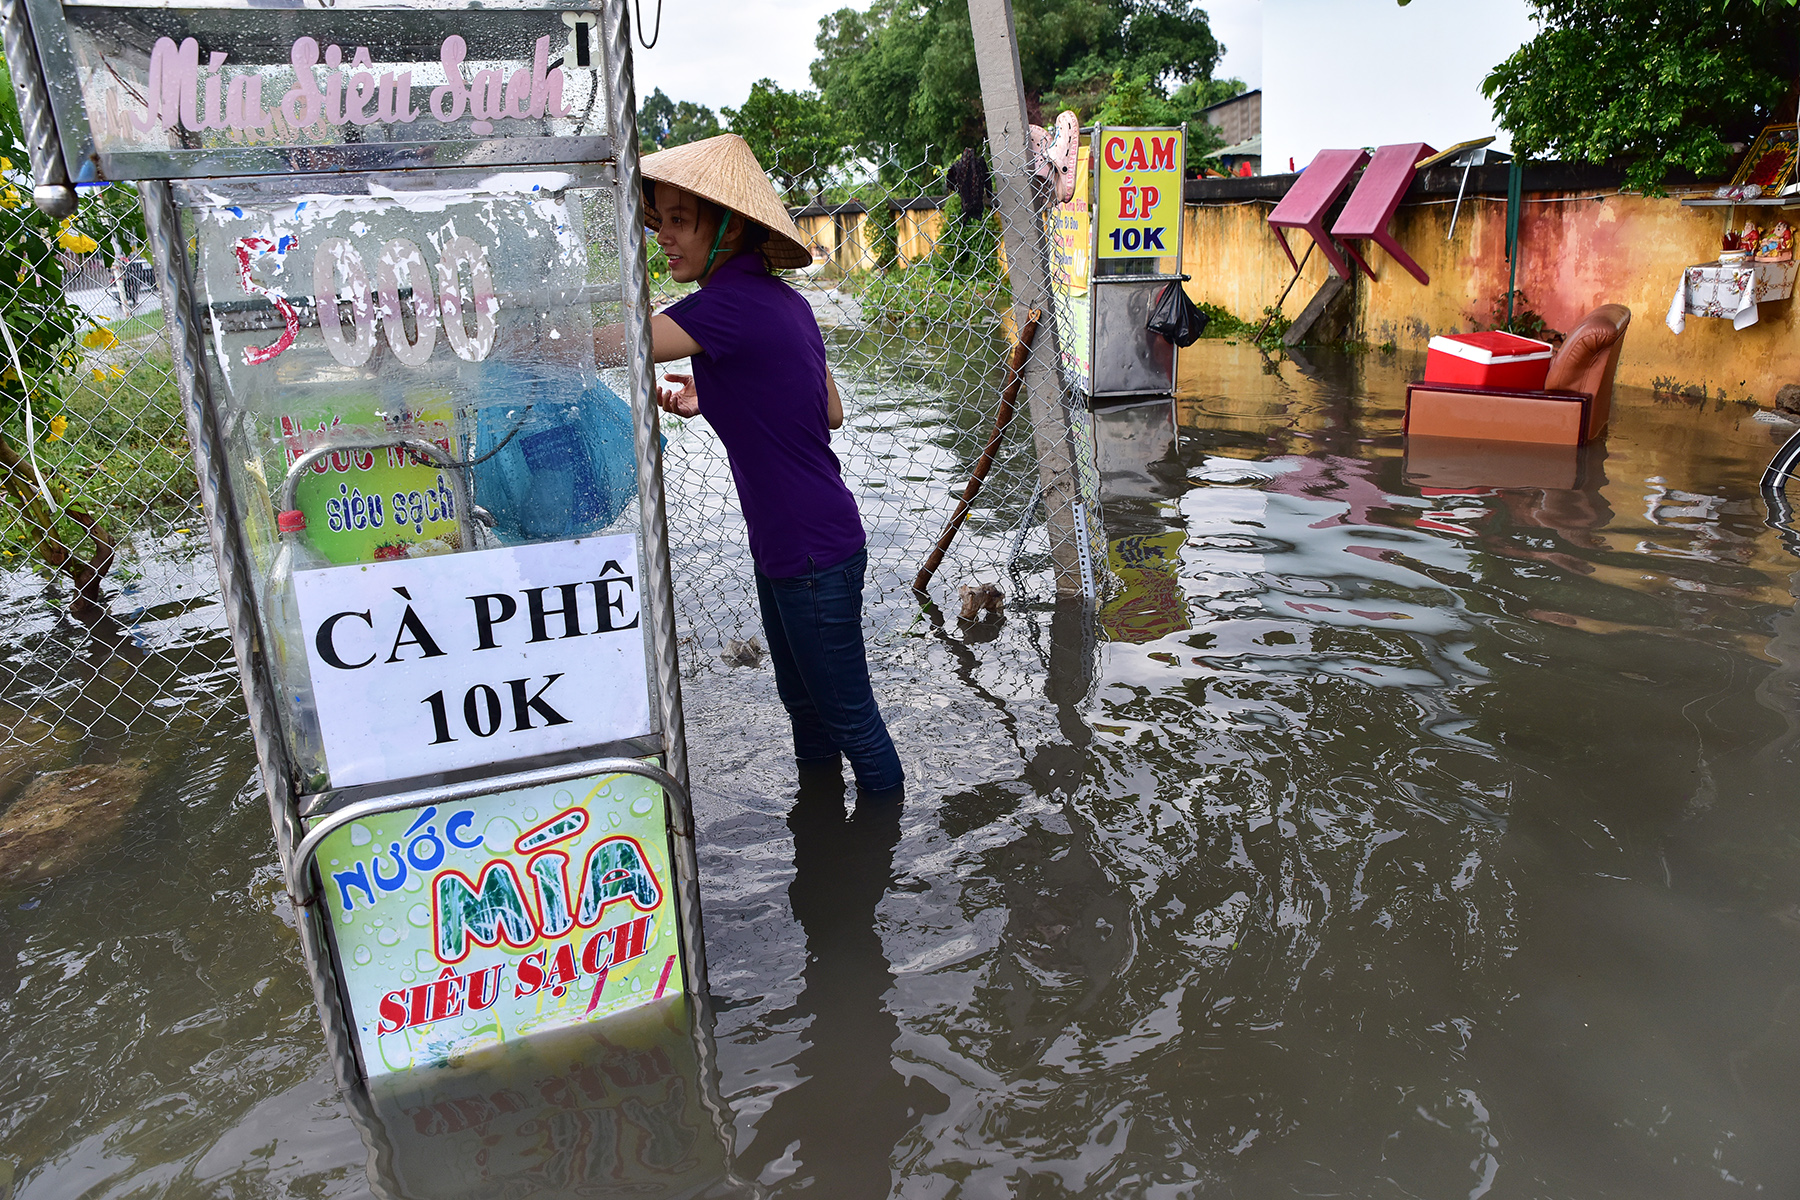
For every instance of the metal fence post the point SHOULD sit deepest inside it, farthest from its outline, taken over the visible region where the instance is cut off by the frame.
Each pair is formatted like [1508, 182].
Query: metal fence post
[1027, 265]
[186, 342]
[659, 594]
[51, 192]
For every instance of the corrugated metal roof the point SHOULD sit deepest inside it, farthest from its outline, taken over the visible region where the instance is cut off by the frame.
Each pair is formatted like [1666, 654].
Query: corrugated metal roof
[1250, 147]
[1237, 99]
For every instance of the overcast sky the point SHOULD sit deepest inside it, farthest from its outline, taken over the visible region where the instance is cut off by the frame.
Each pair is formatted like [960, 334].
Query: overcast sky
[711, 51]
[1371, 73]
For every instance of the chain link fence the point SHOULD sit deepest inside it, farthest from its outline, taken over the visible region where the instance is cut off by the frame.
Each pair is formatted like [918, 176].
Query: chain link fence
[97, 476]
[908, 288]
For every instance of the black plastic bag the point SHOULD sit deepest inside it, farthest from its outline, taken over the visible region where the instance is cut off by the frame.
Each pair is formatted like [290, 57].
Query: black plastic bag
[1176, 317]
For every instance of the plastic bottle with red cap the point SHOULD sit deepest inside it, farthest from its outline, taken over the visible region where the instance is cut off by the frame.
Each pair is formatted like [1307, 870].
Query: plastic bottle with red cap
[287, 648]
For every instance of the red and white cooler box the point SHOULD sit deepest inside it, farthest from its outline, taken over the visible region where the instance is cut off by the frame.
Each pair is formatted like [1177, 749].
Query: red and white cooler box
[1490, 359]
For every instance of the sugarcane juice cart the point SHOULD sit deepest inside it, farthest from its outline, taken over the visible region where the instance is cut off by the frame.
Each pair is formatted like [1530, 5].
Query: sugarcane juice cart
[401, 255]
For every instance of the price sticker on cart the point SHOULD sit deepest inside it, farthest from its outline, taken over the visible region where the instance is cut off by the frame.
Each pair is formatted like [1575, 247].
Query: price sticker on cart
[1139, 192]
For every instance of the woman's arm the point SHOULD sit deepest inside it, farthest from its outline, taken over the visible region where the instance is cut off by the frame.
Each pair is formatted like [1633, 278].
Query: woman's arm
[834, 408]
[668, 342]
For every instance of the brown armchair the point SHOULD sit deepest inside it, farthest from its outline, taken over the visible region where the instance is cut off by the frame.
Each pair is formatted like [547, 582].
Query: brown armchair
[1572, 409]
[1588, 360]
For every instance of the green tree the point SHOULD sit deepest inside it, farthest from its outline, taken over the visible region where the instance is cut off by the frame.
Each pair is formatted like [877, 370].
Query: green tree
[1138, 101]
[902, 79]
[41, 518]
[1133, 101]
[1662, 86]
[795, 137]
[1189, 101]
[663, 122]
[1167, 42]
[1198, 94]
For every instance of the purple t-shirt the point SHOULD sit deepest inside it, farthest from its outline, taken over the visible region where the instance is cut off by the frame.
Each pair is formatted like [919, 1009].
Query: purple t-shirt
[761, 379]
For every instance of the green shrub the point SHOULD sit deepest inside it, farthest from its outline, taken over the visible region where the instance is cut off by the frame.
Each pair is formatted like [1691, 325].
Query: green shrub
[958, 283]
[1222, 323]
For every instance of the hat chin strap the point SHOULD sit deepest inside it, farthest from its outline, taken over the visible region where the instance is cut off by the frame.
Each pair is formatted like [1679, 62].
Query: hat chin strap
[723, 222]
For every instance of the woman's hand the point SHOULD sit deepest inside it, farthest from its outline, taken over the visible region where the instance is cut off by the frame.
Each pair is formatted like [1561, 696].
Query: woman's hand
[683, 401]
[834, 407]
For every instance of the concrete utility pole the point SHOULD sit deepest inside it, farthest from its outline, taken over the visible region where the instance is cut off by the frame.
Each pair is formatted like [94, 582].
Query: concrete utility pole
[1028, 266]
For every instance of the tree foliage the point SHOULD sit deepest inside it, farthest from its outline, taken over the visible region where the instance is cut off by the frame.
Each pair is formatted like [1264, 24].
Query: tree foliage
[663, 122]
[1663, 86]
[794, 135]
[42, 517]
[1139, 101]
[901, 75]
[958, 284]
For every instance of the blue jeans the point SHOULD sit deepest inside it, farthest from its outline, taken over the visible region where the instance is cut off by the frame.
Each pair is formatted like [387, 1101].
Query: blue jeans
[814, 626]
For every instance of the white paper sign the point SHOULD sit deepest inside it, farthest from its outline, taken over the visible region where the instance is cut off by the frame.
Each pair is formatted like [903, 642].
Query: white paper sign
[460, 660]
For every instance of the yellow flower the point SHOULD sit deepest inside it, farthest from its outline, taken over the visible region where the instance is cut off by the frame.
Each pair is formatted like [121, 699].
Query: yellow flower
[10, 197]
[76, 242]
[5, 163]
[100, 338]
[57, 426]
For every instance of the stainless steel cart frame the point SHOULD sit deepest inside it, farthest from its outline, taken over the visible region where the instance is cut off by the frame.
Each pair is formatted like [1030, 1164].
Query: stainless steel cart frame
[52, 48]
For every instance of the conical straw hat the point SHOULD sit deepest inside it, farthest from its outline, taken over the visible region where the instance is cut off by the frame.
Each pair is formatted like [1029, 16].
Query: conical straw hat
[724, 169]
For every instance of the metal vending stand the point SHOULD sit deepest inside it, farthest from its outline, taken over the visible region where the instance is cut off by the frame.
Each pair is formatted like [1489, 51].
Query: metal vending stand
[1115, 244]
[1132, 236]
[401, 254]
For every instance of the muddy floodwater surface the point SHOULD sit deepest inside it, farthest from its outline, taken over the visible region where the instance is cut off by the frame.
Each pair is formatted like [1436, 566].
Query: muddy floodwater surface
[1410, 822]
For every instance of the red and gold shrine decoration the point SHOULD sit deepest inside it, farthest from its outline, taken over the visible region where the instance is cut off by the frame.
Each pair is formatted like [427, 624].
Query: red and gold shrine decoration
[1138, 192]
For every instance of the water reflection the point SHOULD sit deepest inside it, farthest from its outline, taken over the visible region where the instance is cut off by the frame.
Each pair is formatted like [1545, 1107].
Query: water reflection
[834, 1131]
[624, 1108]
[1422, 826]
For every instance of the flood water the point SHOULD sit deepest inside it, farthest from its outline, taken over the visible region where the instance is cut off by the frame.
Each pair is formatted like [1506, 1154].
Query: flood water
[1411, 823]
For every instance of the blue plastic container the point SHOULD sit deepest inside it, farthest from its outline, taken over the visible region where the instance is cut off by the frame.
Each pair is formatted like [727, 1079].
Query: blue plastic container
[552, 459]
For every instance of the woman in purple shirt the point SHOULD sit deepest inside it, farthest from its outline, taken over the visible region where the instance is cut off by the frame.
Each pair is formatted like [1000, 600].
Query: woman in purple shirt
[761, 381]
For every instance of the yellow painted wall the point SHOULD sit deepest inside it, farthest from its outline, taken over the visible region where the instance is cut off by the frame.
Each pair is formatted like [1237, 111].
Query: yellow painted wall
[916, 233]
[916, 236]
[1576, 253]
[853, 248]
[841, 239]
[820, 235]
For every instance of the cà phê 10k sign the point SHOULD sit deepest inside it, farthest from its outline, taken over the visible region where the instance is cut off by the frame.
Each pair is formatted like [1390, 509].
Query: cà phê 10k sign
[432, 664]
[1138, 205]
[471, 924]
